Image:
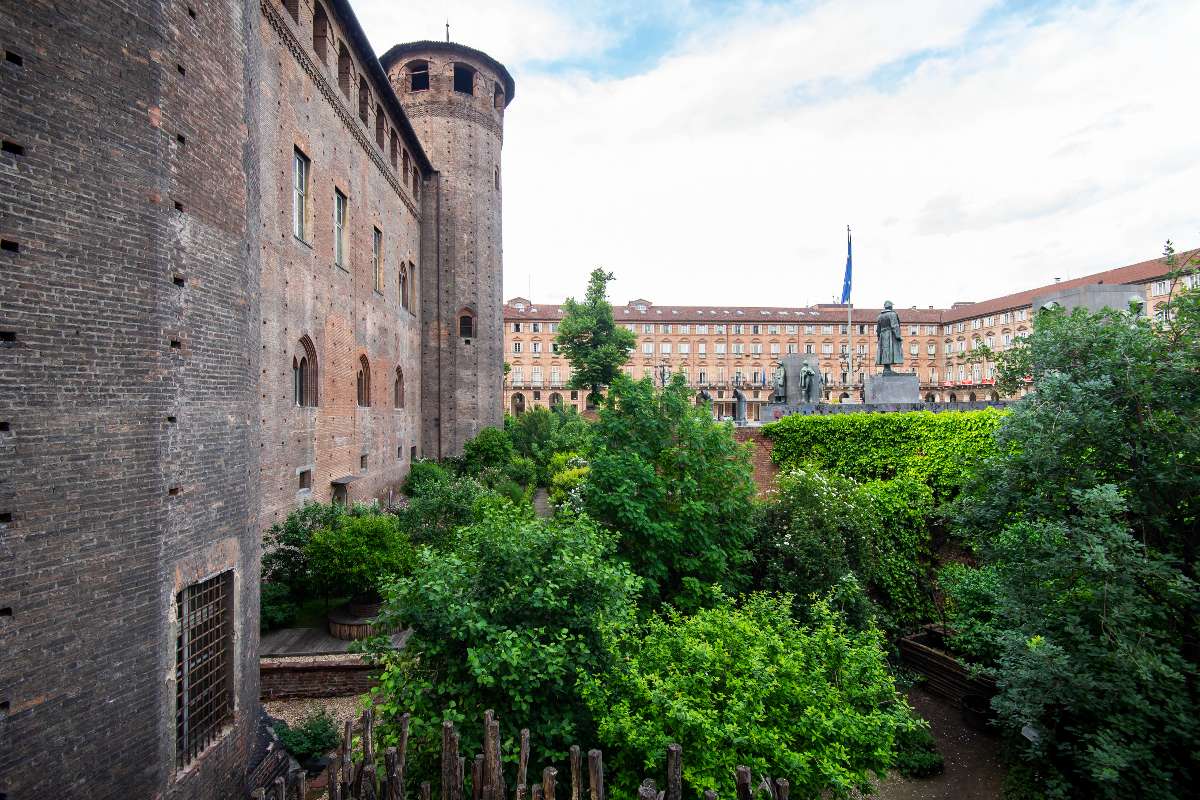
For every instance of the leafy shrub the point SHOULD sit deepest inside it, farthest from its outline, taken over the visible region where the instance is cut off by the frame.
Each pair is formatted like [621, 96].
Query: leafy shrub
[971, 597]
[816, 528]
[353, 555]
[506, 620]
[677, 487]
[917, 755]
[424, 472]
[523, 471]
[277, 609]
[541, 433]
[936, 449]
[746, 685]
[491, 448]
[443, 505]
[285, 559]
[316, 735]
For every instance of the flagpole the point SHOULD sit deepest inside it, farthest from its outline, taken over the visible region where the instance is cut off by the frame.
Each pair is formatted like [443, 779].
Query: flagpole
[849, 327]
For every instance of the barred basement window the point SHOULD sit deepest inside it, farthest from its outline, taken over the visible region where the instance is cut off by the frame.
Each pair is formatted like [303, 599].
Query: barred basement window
[203, 665]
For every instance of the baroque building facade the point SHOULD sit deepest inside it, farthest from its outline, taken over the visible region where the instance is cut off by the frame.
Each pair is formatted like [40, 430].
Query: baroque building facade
[721, 350]
[245, 263]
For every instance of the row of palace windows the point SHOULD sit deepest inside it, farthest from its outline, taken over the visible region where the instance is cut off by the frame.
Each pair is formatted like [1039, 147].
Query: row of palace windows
[305, 379]
[386, 137]
[301, 229]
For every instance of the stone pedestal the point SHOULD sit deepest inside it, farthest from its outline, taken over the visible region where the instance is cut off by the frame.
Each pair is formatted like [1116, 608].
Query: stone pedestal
[896, 387]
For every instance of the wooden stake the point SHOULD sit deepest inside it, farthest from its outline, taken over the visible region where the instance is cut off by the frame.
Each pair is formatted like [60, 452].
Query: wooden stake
[477, 777]
[335, 779]
[391, 775]
[781, 788]
[368, 790]
[596, 774]
[647, 792]
[709, 794]
[576, 788]
[523, 760]
[549, 778]
[425, 790]
[449, 760]
[491, 758]
[402, 756]
[766, 786]
[279, 789]
[536, 792]
[742, 779]
[674, 772]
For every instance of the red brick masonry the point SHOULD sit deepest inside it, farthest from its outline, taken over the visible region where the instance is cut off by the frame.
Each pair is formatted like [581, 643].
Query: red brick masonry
[291, 679]
[764, 469]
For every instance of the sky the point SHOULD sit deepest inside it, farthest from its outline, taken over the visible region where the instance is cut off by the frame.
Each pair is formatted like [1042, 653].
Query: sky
[712, 152]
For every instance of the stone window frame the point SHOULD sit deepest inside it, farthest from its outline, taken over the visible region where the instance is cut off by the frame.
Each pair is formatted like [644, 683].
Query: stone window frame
[362, 383]
[305, 375]
[377, 258]
[301, 195]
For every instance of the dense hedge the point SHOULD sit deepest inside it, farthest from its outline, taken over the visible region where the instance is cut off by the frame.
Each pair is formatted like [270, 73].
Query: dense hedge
[936, 449]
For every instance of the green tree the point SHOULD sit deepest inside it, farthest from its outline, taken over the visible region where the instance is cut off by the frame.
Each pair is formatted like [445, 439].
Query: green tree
[506, 619]
[589, 338]
[1085, 605]
[676, 486]
[746, 684]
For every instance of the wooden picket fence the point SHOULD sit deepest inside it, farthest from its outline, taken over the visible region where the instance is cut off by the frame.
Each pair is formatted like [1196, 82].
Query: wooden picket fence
[369, 779]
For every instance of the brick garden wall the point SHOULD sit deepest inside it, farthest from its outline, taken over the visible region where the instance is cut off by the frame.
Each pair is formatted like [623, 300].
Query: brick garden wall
[291, 679]
[764, 470]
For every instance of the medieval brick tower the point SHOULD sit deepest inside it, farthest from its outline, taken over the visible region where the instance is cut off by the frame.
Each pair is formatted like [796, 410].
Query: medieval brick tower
[455, 97]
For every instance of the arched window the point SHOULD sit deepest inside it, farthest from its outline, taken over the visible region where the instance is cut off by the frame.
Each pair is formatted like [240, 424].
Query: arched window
[320, 32]
[403, 285]
[953, 397]
[498, 97]
[363, 383]
[466, 324]
[380, 126]
[418, 75]
[364, 99]
[556, 400]
[407, 166]
[345, 70]
[398, 389]
[293, 8]
[518, 404]
[929, 397]
[995, 397]
[394, 149]
[304, 374]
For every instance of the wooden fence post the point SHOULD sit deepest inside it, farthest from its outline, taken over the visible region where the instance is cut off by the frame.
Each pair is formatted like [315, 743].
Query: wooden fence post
[674, 772]
[742, 780]
[596, 774]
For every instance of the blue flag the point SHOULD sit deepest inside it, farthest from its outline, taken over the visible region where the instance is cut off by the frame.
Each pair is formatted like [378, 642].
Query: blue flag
[846, 282]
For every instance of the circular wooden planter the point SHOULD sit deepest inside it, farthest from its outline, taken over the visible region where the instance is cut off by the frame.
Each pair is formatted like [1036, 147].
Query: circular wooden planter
[352, 621]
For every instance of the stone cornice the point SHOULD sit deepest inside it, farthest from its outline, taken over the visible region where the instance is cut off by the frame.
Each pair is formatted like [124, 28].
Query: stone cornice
[333, 97]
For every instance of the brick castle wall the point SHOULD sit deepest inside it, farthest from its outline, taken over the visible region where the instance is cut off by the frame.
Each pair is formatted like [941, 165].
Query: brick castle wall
[304, 293]
[128, 410]
[764, 469]
[292, 680]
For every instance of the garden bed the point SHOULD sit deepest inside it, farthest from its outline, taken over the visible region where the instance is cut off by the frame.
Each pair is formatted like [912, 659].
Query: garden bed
[926, 653]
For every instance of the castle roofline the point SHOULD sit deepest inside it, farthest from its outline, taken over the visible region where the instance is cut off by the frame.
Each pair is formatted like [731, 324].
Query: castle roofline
[345, 14]
[399, 51]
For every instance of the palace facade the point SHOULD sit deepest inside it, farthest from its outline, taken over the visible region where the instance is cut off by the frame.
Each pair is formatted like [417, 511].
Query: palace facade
[723, 349]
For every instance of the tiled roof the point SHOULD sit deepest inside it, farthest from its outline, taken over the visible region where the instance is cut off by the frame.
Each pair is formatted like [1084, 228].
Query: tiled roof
[1134, 273]
[645, 311]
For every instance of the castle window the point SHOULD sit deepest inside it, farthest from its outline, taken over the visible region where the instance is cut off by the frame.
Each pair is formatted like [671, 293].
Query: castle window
[498, 97]
[345, 70]
[380, 126]
[300, 170]
[339, 228]
[394, 148]
[466, 324]
[364, 99]
[377, 258]
[416, 184]
[363, 382]
[464, 79]
[418, 76]
[398, 389]
[320, 31]
[407, 165]
[497, 177]
[293, 8]
[305, 480]
[403, 283]
[304, 374]
[203, 665]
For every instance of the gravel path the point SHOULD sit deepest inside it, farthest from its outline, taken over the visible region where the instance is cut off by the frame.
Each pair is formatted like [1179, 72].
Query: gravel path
[541, 503]
[294, 711]
[973, 768]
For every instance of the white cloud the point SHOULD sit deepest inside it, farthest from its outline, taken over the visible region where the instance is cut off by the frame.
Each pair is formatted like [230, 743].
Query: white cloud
[1017, 151]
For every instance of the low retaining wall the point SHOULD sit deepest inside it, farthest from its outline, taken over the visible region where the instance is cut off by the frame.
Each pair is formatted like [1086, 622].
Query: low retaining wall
[323, 676]
[764, 468]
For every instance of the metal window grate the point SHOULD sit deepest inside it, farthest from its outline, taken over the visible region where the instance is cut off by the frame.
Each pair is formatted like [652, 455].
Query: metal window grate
[203, 665]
